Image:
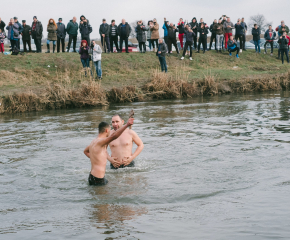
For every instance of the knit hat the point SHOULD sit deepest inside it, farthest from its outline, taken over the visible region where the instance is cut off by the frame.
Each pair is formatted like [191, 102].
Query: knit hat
[15, 18]
[34, 17]
[60, 19]
[23, 21]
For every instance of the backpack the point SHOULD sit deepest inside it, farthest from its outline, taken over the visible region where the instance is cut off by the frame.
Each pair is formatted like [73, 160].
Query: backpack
[15, 51]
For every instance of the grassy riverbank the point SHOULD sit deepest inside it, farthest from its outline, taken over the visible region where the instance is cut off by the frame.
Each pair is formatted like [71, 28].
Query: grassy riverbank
[47, 81]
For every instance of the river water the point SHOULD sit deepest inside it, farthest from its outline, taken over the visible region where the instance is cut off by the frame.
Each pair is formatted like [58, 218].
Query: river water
[212, 168]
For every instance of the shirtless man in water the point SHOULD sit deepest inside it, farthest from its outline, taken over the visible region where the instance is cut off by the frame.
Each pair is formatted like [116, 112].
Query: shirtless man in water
[121, 148]
[97, 151]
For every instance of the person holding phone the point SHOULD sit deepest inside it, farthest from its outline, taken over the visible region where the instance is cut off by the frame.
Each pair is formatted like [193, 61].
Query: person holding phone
[283, 42]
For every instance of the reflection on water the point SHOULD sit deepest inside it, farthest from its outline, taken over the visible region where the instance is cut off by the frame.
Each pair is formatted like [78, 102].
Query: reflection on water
[212, 168]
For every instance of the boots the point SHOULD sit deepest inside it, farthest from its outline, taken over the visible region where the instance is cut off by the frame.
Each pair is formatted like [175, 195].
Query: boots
[53, 48]
[48, 50]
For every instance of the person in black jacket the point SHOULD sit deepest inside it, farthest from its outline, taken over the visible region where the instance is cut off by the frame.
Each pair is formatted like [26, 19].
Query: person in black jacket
[283, 41]
[104, 31]
[213, 34]
[26, 33]
[269, 36]
[194, 27]
[124, 30]
[203, 31]
[172, 30]
[189, 34]
[2, 25]
[85, 29]
[256, 32]
[113, 35]
[162, 50]
[61, 33]
[240, 33]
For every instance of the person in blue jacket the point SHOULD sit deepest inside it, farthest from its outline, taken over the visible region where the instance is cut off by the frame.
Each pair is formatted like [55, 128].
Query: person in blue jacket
[166, 23]
[232, 46]
[269, 36]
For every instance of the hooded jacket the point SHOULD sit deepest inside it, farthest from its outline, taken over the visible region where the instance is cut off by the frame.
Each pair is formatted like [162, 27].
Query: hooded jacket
[219, 31]
[51, 29]
[72, 28]
[88, 22]
[172, 32]
[256, 34]
[239, 29]
[61, 30]
[281, 31]
[128, 29]
[141, 33]
[194, 25]
[228, 29]
[189, 36]
[165, 28]
[85, 29]
[267, 35]
[104, 29]
[283, 43]
[97, 53]
[155, 31]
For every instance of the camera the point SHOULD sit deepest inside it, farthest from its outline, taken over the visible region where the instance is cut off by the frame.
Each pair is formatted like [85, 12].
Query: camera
[92, 45]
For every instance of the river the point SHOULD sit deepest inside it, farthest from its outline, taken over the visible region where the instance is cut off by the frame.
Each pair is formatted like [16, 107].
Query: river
[212, 168]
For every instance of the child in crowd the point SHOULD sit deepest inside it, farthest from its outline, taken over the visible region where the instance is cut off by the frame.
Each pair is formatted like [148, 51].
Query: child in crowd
[2, 37]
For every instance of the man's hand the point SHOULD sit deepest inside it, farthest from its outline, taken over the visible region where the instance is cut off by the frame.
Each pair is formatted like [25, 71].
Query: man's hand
[164, 19]
[115, 162]
[81, 22]
[103, 35]
[130, 121]
[159, 52]
[127, 160]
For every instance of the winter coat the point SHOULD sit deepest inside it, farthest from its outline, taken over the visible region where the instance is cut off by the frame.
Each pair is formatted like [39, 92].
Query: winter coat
[231, 44]
[51, 29]
[189, 36]
[97, 53]
[155, 31]
[128, 29]
[172, 32]
[149, 33]
[286, 29]
[203, 32]
[88, 22]
[37, 33]
[165, 29]
[283, 43]
[17, 29]
[113, 27]
[141, 33]
[256, 34]
[84, 52]
[211, 28]
[26, 32]
[72, 28]
[162, 47]
[194, 25]
[104, 29]
[2, 26]
[2, 37]
[228, 29]
[219, 31]
[85, 30]
[61, 31]
[181, 28]
[239, 29]
[267, 35]
[245, 26]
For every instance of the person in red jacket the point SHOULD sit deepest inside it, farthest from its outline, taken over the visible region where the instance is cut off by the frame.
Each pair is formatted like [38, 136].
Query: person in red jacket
[181, 31]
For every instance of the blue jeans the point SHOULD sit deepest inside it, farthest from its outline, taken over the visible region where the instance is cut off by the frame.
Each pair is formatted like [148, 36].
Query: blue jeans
[257, 45]
[163, 64]
[48, 41]
[149, 41]
[98, 68]
[86, 64]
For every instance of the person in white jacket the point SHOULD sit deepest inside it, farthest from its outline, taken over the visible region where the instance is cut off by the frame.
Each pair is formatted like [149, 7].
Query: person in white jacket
[97, 57]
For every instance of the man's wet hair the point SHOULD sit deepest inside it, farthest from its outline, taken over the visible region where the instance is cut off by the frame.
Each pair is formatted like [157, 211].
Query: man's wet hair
[118, 115]
[103, 126]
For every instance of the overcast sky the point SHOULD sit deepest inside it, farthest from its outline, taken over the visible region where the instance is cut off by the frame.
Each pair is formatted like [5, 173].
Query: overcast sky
[133, 10]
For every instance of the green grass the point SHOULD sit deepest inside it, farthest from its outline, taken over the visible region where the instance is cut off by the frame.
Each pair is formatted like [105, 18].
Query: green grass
[31, 71]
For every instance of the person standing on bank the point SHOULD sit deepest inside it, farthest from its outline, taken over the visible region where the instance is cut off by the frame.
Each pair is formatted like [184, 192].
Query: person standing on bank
[26, 33]
[61, 33]
[256, 32]
[162, 50]
[17, 31]
[189, 34]
[172, 30]
[269, 36]
[283, 42]
[213, 34]
[244, 33]
[228, 28]
[113, 35]
[124, 30]
[36, 33]
[203, 31]
[51, 36]
[181, 31]
[11, 33]
[85, 56]
[154, 28]
[85, 29]
[72, 31]
[219, 30]
[194, 27]
[104, 32]
[97, 57]
[166, 23]
[240, 32]
[141, 36]
[2, 37]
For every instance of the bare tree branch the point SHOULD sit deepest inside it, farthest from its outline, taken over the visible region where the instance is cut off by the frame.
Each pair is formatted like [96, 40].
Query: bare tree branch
[261, 21]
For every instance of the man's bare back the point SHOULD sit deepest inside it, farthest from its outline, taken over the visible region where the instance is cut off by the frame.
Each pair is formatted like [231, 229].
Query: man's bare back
[121, 148]
[97, 151]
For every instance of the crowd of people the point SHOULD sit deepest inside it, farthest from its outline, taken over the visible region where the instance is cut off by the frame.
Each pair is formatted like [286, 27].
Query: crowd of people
[190, 34]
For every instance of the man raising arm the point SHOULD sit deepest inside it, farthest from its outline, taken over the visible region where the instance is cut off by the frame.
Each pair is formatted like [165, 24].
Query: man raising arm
[97, 151]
